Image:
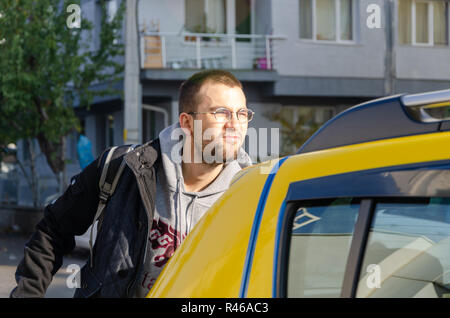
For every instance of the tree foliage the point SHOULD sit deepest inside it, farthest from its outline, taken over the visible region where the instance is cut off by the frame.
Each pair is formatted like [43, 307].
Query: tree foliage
[295, 128]
[47, 68]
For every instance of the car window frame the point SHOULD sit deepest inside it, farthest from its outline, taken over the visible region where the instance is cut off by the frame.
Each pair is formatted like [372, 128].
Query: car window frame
[365, 209]
[366, 185]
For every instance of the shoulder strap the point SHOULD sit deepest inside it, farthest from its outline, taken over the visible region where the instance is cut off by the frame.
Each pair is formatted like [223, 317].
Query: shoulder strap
[111, 172]
[157, 146]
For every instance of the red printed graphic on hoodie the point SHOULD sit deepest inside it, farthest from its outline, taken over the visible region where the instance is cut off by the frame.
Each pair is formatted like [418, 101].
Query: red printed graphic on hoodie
[164, 240]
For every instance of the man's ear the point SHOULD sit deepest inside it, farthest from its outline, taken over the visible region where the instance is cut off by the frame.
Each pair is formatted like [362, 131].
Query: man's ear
[186, 122]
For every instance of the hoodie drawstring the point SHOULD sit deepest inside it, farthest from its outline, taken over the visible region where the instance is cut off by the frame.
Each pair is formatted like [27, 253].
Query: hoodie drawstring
[189, 226]
[178, 227]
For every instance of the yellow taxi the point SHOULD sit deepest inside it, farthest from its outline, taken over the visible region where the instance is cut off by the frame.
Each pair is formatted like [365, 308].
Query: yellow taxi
[362, 210]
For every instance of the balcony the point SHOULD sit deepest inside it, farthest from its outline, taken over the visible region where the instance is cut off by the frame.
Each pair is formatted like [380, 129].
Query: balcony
[163, 50]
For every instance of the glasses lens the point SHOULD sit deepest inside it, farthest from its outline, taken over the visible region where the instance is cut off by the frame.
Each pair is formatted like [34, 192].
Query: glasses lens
[222, 115]
[245, 115]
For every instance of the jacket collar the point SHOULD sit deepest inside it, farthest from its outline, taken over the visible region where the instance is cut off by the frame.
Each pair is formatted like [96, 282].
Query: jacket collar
[143, 157]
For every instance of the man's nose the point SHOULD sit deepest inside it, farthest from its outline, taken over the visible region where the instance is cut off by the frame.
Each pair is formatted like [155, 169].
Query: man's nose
[233, 122]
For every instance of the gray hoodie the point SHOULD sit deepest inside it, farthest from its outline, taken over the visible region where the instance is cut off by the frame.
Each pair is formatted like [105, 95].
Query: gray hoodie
[177, 210]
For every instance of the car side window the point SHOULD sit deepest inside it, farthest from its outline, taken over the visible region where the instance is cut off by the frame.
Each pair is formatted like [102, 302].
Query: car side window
[407, 252]
[321, 235]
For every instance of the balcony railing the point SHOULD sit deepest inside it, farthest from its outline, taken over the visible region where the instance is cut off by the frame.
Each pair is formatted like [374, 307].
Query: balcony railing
[207, 50]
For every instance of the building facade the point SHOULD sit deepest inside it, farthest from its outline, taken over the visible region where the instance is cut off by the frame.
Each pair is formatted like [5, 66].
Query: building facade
[300, 61]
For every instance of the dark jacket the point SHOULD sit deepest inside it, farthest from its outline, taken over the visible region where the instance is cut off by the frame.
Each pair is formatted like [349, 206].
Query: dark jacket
[121, 242]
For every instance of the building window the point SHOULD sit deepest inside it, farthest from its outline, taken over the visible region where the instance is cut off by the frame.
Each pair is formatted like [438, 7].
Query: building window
[440, 22]
[346, 25]
[212, 16]
[326, 20]
[243, 16]
[109, 131]
[298, 123]
[206, 16]
[423, 23]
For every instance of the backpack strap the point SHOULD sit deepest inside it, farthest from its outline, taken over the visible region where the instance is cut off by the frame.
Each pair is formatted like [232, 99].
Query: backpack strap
[111, 172]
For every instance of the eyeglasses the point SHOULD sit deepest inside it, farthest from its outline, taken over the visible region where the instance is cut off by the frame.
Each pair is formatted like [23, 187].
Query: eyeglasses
[223, 115]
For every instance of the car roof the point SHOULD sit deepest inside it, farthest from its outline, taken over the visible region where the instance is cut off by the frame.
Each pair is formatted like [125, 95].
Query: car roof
[388, 117]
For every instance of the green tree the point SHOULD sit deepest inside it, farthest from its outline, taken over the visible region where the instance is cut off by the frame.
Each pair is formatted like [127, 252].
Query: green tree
[295, 128]
[447, 112]
[47, 68]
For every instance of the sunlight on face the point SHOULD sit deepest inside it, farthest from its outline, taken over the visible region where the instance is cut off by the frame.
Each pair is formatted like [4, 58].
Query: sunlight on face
[222, 136]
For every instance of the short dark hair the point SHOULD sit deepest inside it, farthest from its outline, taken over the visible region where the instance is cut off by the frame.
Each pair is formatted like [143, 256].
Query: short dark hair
[188, 99]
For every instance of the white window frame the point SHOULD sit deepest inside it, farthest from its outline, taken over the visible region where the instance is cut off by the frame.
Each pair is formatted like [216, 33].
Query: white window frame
[430, 23]
[337, 26]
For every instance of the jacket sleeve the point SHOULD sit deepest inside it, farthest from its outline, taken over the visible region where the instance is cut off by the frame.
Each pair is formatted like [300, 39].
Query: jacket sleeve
[71, 214]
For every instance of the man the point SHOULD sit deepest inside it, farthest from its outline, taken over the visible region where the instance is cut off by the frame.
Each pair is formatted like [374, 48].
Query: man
[157, 202]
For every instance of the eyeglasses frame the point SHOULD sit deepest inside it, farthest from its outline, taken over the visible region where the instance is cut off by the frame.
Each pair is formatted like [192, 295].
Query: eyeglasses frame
[231, 114]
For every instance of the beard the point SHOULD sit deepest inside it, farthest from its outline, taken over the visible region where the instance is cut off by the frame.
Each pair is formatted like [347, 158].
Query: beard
[218, 151]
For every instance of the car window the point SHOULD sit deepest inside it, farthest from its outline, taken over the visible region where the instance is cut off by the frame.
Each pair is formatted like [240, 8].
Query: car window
[408, 250]
[320, 240]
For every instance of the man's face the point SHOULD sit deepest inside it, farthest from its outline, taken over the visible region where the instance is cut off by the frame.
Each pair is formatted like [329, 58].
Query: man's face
[226, 136]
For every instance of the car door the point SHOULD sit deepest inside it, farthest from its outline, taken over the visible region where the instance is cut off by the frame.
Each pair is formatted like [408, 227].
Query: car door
[377, 233]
